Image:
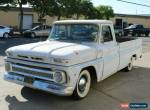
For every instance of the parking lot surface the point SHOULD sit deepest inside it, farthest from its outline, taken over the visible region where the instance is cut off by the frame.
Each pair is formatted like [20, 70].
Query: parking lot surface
[122, 87]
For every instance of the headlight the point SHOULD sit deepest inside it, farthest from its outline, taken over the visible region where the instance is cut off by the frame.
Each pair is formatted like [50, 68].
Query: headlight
[60, 77]
[9, 53]
[7, 67]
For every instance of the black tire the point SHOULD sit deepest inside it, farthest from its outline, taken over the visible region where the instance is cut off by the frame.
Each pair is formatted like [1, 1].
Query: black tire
[83, 85]
[6, 35]
[138, 35]
[33, 35]
[130, 65]
[119, 34]
[147, 34]
[133, 34]
[125, 34]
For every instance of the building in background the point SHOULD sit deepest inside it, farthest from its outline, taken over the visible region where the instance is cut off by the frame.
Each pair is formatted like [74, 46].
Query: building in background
[30, 18]
[12, 16]
[124, 20]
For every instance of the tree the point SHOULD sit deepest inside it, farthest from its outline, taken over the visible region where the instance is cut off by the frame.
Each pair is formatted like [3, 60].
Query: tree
[106, 11]
[59, 8]
[80, 8]
[88, 10]
[20, 3]
[42, 7]
[77, 8]
[64, 8]
[15, 3]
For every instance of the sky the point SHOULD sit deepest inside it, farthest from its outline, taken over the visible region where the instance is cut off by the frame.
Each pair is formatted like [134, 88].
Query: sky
[125, 8]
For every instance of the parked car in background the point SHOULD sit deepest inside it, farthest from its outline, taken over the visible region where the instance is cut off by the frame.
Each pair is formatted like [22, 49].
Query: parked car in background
[5, 31]
[136, 30]
[37, 31]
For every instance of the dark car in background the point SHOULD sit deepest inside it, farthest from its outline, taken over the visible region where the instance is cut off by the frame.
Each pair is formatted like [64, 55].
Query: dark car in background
[136, 30]
[38, 31]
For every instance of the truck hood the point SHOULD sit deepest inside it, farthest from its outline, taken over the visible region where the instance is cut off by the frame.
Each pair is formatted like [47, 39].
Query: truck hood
[54, 52]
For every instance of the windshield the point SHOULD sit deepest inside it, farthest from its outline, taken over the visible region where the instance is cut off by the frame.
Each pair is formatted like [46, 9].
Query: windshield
[36, 27]
[74, 32]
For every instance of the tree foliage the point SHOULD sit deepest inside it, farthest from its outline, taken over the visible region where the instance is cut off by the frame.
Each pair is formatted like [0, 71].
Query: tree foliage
[106, 11]
[89, 11]
[77, 8]
[42, 7]
[65, 8]
[62, 8]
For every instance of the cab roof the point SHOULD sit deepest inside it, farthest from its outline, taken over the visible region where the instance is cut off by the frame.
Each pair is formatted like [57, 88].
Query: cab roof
[83, 21]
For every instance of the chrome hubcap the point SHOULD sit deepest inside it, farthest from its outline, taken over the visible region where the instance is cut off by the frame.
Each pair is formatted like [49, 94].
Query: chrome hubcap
[82, 83]
[130, 64]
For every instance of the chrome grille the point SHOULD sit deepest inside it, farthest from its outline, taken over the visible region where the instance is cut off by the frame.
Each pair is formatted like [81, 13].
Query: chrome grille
[35, 67]
[30, 57]
[31, 72]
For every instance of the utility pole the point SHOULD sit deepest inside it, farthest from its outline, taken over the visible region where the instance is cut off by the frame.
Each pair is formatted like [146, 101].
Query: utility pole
[136, 11]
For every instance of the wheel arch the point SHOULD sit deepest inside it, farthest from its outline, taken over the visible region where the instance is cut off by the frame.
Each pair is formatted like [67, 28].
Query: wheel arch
[4, 33]
[92, 71]
[33, 33]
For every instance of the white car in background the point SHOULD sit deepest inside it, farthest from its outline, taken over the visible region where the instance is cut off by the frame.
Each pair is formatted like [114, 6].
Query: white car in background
[5, 31]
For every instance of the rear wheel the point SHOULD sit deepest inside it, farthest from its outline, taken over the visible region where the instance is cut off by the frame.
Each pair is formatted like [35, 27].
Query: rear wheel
[147, 34]
[130, 65]
[83, 85]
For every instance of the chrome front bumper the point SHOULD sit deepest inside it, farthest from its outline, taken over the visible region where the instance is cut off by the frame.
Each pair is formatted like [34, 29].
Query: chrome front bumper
[39, 84]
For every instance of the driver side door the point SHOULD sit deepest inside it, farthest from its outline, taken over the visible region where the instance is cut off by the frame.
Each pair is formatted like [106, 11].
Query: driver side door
[110, 51]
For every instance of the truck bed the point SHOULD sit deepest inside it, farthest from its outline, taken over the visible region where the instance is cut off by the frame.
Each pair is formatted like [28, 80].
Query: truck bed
[127, 48]
[124, 39]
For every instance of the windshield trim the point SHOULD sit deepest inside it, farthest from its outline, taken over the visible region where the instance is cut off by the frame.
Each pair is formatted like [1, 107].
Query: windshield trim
[96, 39]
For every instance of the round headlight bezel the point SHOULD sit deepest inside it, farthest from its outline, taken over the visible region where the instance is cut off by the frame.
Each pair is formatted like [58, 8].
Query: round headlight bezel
[9, 53]
[60, 77]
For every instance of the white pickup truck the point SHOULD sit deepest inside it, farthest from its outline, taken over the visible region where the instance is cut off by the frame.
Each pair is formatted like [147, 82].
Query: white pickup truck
[76, 53]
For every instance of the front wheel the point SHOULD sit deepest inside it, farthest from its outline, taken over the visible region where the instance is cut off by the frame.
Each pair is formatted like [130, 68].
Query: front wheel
[130, 65]
[33, 35]
[83, 85]
[6, 35]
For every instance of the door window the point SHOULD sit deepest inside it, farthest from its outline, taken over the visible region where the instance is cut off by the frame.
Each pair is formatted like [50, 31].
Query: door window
[106, 34]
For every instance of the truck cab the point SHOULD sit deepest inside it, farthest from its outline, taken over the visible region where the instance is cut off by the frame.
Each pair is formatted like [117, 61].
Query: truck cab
[76, 53]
